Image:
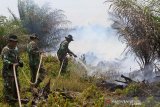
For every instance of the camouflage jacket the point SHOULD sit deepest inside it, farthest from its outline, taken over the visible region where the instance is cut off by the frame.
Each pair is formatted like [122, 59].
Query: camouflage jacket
[33, 53]
[63, 50]
[9, 57]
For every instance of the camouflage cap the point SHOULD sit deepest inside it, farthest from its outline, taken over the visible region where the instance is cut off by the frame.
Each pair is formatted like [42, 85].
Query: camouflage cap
[13, 38]
[69, 37]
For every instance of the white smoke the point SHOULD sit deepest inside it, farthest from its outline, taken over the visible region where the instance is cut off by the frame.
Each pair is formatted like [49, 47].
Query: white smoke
[100, 43]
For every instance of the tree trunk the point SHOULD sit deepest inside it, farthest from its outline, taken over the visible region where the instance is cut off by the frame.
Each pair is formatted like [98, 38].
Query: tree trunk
[148, 71]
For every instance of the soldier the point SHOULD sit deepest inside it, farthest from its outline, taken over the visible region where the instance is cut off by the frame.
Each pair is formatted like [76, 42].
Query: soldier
[63, 51]
[34, 60]
[10, 56]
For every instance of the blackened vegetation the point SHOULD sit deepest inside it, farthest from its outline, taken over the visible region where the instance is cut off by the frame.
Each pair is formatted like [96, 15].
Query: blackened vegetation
[109, 86]
[41, 94]
[113, 86]
[131, 88]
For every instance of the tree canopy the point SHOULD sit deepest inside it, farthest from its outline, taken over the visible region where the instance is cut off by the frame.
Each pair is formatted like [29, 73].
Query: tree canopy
[49, 24]
[138, 25]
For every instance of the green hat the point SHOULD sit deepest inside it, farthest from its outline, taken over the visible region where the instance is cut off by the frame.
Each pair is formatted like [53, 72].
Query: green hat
[34, 35]
[69, 37]
[13, 38]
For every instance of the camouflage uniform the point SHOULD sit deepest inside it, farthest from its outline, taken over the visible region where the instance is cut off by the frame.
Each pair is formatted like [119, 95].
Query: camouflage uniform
[62, 52]
[9, 57]
[34, 59]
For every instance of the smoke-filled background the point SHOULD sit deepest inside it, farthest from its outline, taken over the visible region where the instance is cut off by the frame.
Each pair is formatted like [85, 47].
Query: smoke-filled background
[100, 44]
[93, 35]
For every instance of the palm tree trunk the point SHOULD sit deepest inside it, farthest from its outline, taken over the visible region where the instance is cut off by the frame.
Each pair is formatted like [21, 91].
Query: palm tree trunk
[148, 70]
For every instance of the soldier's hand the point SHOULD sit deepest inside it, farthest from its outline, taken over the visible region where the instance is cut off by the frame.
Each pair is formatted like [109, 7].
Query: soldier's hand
[41, 52]
[20, 63]
[15, 64]
[75, 56]
[70, 55]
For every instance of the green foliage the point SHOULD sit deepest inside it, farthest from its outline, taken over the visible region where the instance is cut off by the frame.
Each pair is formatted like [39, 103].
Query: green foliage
[50, 25]
[70, 82]
[58, 101]
[132, 90]
[151, 102]
[51, 63]
[86, 93]
[137, 25]
[91, 96]
[91, 92]
[10, 26]
[3, 21]
[119, 91]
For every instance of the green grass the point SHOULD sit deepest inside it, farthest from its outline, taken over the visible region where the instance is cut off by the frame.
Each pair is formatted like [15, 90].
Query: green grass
[84, 89]
[73, 81]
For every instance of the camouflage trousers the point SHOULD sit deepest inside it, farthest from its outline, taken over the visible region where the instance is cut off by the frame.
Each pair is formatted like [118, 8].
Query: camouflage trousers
[10, 91]
[42, 74]
[64, 64]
